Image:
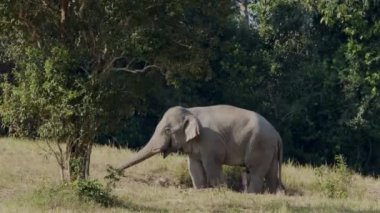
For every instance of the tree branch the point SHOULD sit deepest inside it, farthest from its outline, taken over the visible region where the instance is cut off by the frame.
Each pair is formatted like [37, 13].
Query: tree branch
[64, 10]
[64, 7]
[128, 68]
[183, 45]
[83, 5]
[46, 3]
[49, 6]
[146, 68]
[23, 17]
[58, 155]
[110, 65]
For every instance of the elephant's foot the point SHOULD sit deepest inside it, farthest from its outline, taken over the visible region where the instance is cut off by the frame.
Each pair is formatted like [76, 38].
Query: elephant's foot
[216, 182]
[256, 184]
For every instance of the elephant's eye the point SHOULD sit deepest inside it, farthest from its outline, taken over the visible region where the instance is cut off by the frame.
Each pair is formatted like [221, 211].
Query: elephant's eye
[168, 131]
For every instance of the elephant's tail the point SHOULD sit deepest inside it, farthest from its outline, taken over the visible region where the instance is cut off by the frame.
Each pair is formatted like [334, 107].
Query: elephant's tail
[280, 156]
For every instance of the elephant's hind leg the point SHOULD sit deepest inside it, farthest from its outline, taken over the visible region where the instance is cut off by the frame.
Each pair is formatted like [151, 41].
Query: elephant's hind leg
[272, 178]
[258, 165]
[256, 184]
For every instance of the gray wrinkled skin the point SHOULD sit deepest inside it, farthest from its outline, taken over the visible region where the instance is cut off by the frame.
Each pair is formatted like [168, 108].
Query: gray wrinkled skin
[219, 135]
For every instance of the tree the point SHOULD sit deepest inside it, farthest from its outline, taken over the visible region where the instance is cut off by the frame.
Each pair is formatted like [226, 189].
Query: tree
[357, 63]
[70, 56]
[323, 54]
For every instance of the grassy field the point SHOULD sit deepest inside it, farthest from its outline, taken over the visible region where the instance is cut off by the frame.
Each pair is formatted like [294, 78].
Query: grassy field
[30, 182]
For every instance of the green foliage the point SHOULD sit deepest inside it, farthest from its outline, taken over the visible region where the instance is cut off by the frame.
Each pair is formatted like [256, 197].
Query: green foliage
[76, 166]
[113, 176]
[122, 34]
[77, 193]
[52, 196]
[94, 191]
[74, 62]
[335, 182]
[37, 101]
[323, 95]
[182, 176]
[233, 177]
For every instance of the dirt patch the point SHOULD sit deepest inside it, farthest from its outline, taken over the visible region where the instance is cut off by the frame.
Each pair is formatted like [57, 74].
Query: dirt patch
[374, 193]
[7, 194]
[152, 180]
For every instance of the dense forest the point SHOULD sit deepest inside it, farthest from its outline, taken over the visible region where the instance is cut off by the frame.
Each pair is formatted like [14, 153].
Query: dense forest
[88, 71]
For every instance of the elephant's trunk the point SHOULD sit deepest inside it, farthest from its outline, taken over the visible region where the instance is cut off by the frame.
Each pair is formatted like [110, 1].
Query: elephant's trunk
[148, 151]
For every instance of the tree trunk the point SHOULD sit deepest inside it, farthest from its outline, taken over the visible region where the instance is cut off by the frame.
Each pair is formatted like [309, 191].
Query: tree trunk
[78, 159]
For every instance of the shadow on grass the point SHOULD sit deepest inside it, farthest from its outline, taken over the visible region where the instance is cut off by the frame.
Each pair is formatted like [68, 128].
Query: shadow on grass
[324, 208]
[66, 197]
[128, 205]
[293, 192]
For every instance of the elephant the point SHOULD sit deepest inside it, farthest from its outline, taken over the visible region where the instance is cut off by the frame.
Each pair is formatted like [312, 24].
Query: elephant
[212, 136]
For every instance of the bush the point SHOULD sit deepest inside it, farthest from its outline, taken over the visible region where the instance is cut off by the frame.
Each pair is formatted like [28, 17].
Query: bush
[93, 191]
[51, 196]
[232, 176]
[182, 176]
[335, 182]
[80, 193]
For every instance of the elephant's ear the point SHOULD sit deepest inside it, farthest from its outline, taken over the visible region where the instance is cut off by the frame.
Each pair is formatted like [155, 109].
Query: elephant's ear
[191, 126]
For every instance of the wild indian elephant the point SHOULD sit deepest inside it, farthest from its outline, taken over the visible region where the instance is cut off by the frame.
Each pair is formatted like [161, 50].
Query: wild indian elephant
[219, 135]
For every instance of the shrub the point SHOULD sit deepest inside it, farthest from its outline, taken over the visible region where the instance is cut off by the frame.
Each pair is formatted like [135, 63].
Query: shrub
[182, 176]
[51, 196]
[113, 176]
[94, 191]
[336, 181]
[81, 193]
[232, 175]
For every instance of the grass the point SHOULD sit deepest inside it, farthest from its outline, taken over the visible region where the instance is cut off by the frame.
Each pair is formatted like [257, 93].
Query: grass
[30, 182]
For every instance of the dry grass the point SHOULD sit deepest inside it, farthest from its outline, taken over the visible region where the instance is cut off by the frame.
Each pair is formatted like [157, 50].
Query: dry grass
[29, 182]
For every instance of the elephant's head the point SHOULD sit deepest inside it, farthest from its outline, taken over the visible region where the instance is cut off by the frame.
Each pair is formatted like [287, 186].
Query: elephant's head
[177, 127]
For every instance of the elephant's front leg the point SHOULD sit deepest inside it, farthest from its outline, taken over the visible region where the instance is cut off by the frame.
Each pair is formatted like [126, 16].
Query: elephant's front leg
[197, 173]
[214, 172]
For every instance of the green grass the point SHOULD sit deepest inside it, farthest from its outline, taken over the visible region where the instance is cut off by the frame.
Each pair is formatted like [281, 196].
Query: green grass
[30, 182]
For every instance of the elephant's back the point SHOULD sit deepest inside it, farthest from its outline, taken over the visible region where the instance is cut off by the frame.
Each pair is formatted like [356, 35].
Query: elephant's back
[226, 113]
[221, 110]
[233, 118]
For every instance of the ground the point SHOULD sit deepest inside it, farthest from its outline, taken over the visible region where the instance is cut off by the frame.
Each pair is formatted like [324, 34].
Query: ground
[30, 182]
